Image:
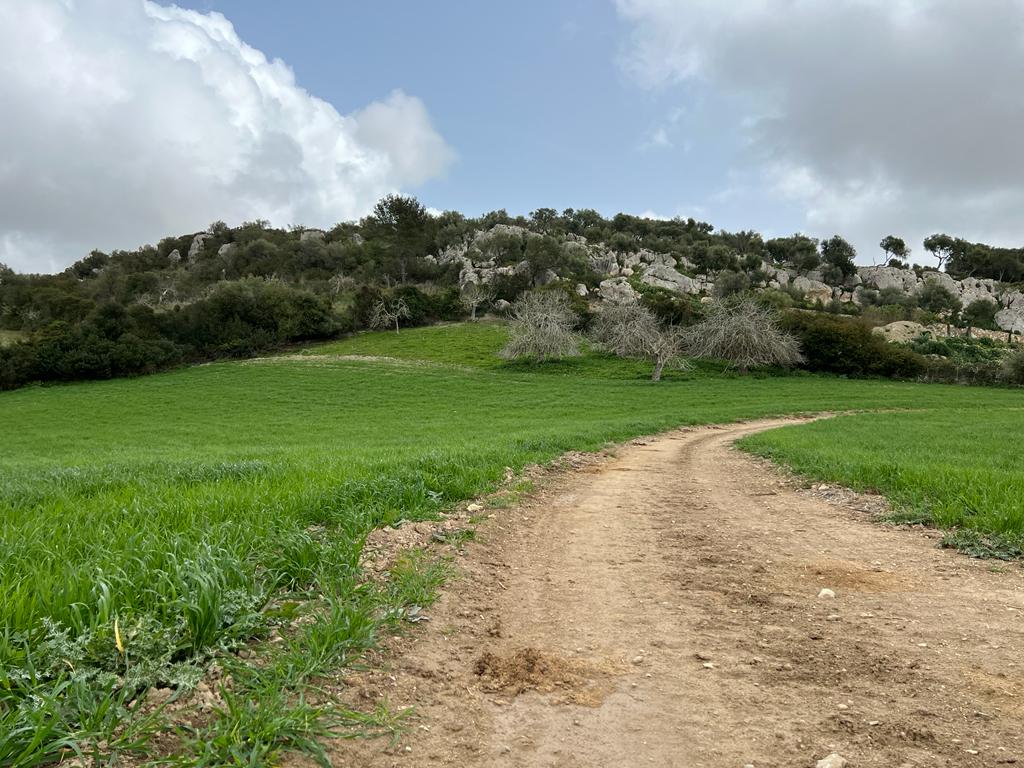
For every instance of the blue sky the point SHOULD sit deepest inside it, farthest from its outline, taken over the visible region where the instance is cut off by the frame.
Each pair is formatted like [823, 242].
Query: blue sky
[530, 95]
[129, 120]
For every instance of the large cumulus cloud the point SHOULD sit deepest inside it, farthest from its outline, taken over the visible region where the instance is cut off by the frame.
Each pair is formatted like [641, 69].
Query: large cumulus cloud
[127, 120]
[876, 116]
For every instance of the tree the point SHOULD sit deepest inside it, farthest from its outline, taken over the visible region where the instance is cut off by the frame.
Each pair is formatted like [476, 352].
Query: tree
[388, 312]
[632, 330]
[838, 256]
[402, 227]
[542, 328]
[980, 313]
[894, 248]
[799, 251]
[473, 296]
[937, 299]
[745, 333]
[941, 247]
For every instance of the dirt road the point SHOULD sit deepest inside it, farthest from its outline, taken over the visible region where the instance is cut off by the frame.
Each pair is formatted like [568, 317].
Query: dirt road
[662, 609]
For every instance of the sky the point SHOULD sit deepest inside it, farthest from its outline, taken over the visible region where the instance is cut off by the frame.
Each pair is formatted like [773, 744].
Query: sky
[131, 120]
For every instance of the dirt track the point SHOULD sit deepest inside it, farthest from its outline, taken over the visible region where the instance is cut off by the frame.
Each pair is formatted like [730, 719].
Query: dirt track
[661, 609]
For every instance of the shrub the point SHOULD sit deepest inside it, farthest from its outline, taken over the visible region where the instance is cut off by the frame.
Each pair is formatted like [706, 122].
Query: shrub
[1013, 368]
[669, 307]
[542, 328]
[729, 283]
[834, 344]
[746, 334]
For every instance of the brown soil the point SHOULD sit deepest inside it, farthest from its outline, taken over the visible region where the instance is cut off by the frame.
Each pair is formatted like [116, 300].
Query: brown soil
[661, 608]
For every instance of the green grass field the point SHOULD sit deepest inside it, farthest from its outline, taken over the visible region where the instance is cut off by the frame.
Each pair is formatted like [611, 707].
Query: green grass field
[149, 525]
[954, 469]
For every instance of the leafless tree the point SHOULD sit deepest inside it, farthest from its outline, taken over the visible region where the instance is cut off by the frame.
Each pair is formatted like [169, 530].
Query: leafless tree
[474, 296]
[631, 330]
[388, 313]
[743, 333]
[542, 328]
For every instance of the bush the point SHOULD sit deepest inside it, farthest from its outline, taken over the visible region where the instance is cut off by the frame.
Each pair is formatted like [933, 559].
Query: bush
[1013, 368]
[746, 334]
[669, 307]
[542, 328]
[834, 344]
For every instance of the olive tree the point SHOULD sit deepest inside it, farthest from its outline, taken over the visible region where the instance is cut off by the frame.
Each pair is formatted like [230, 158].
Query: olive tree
[473, 296]
[542, 328]
[388, 313]
[632, 330]
[745, 334]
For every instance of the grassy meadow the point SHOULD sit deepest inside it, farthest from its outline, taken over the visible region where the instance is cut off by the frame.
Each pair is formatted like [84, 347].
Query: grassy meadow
[958, 470]
[150, 525]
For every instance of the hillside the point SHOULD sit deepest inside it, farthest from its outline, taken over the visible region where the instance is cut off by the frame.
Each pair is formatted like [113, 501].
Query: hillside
[240, 291]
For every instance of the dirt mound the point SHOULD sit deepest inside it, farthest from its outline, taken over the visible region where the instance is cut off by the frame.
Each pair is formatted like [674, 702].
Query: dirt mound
[527, 669]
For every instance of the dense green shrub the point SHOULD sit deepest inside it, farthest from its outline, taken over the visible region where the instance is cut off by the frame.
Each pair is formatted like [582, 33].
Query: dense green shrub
[1013, 368]
[834, 344]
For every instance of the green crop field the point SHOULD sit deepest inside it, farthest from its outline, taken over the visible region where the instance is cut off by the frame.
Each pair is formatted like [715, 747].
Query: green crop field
[149, 525]
[958, 470]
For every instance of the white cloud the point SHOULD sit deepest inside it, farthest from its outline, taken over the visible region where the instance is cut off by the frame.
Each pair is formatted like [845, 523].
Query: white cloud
[126, 121]
[875, 116]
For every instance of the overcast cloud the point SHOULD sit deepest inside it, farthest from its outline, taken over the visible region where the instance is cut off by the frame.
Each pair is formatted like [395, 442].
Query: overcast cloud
[125, 121]
[875, 116]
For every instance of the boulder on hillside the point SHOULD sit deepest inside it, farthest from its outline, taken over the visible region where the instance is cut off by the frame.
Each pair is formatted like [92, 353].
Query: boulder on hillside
[1011, 319]
[312, 236]
[942, 279]
[661, 276]
[813, 290]
[973, 289]
[901, 331]
[881, 278]
[197, 245]
[619, 290]
[604, 263]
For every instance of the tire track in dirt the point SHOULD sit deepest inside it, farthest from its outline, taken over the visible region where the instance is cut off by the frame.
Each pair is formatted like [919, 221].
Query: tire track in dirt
[661, 609]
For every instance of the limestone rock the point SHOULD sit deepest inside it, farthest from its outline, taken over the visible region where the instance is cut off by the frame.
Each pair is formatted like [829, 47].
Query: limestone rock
[881, 278]
[547, 277]
[835, 760]
[197, 245]
[942, 279]
[312, 236]
[1011, 319]
[900, 331]
[604, 263]
[661, 276]
[618, 289]
[813, 290]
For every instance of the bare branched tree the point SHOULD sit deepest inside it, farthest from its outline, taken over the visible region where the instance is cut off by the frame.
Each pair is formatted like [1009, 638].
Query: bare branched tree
[474, 296]
[542, 328]
[631, 330]
[743, 333]
[388, 313]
